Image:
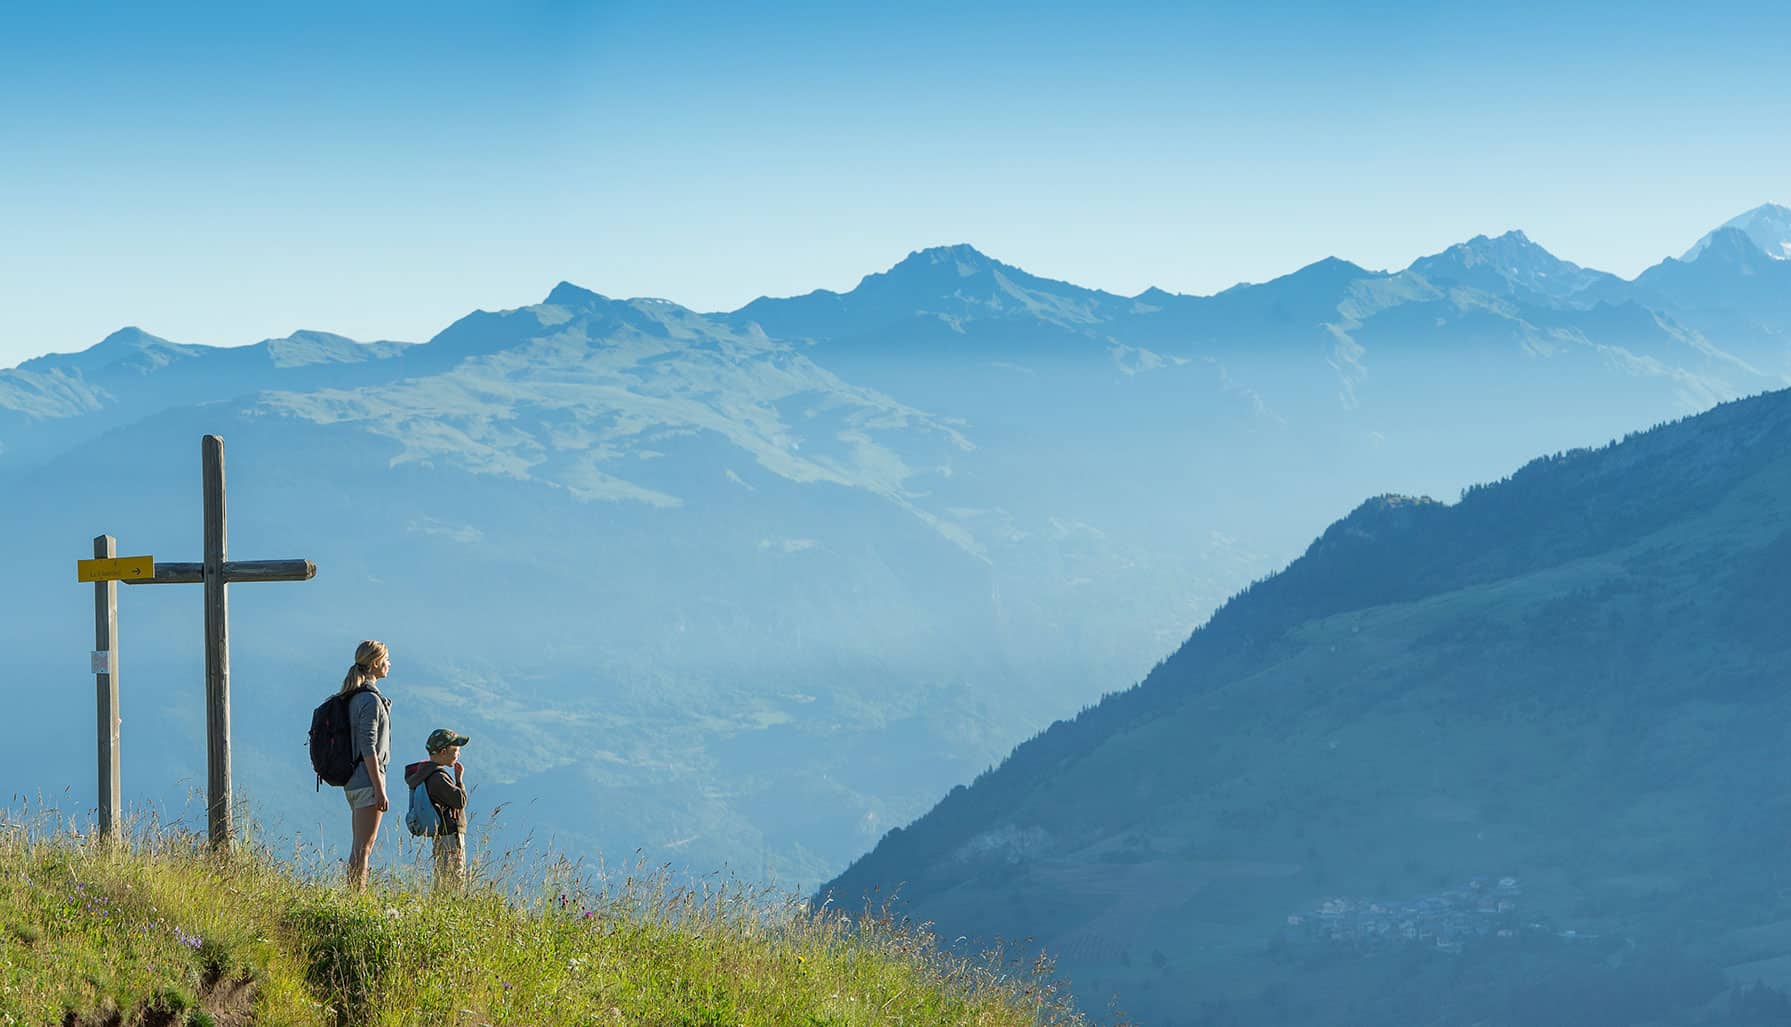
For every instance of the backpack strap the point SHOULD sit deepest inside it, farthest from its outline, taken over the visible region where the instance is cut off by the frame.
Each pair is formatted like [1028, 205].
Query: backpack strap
[440, 811]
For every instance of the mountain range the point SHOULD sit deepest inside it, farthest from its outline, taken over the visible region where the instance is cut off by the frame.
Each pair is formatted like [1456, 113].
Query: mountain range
[748, 588]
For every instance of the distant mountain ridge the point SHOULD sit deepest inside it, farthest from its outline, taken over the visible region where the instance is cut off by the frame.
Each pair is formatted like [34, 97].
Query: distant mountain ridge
[527, 360]
[1508, 265]
[53, 403]
[958, 282]
[132, 349]
[944, 281]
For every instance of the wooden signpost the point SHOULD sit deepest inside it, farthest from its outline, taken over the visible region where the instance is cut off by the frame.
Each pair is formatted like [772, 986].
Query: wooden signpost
[105, 570]
[215, 573]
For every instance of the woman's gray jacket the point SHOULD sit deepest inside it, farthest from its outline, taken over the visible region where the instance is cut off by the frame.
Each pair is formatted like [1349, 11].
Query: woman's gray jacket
[370, 728]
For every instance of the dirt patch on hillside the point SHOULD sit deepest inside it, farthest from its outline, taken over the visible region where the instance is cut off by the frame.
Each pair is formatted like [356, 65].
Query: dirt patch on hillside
[229, 1001]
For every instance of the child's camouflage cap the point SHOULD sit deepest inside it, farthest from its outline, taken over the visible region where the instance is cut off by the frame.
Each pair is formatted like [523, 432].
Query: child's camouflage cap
[442, 737]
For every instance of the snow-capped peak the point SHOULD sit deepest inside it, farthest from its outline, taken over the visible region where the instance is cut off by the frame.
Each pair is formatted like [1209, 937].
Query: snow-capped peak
[1767, 226]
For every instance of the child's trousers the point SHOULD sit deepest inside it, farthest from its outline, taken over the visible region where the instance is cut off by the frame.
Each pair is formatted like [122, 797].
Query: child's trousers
[450, 861]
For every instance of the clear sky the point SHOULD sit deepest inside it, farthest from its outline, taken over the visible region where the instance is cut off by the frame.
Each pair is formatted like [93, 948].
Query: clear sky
[225, 175]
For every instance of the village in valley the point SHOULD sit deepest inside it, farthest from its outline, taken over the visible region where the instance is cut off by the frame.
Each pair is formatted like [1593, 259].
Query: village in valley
[1484, 908]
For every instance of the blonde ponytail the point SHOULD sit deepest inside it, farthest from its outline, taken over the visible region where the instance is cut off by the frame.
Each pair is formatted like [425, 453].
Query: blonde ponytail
[366, 655]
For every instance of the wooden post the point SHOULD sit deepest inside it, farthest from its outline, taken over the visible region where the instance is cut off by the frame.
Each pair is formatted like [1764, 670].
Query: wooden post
[215, 573]
[217, 651]
[105, 670]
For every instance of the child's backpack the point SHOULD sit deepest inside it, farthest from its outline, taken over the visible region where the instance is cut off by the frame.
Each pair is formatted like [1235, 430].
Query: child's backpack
[423, 819]
[332, 747]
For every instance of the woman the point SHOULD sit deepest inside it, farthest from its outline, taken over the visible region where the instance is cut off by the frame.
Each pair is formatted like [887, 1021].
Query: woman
[370, 728]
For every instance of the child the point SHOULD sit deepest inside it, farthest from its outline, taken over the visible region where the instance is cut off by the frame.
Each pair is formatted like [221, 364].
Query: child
[449, 798]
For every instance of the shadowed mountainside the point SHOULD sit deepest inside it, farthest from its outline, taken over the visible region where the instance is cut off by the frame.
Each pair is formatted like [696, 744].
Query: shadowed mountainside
[1569, 678]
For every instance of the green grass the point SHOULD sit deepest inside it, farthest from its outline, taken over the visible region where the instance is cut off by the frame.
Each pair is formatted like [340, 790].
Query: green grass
[162, 932]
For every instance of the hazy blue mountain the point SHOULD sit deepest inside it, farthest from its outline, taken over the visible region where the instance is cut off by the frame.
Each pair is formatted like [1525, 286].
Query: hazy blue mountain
[1234, 318]
[1730, 288]
[1733, 291]
[1508, 265]
[53, 403]
[1726, 254]
[1358, 365]
[949, 284]
[1767, 226]
[1552, 709]
[751, 587]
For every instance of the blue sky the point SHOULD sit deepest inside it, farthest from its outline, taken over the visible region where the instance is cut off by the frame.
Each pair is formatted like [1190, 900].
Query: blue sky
[221, 176]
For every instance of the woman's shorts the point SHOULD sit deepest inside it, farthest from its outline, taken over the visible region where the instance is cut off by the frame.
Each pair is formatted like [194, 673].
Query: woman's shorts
[361, 798]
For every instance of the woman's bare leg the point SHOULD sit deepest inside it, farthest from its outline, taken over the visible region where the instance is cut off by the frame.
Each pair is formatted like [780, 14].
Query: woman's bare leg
[366, 830]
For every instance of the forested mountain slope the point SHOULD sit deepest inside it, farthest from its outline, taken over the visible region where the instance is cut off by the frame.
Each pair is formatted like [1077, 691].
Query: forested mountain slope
[1572, 678]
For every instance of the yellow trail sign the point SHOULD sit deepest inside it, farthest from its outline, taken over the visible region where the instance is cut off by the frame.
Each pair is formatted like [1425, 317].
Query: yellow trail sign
[120, 568]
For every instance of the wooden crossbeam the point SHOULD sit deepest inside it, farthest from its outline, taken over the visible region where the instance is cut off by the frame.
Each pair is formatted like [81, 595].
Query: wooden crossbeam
[234, 571]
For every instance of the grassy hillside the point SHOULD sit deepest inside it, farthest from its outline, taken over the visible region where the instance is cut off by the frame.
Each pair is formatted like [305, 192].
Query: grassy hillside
[164, 934]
